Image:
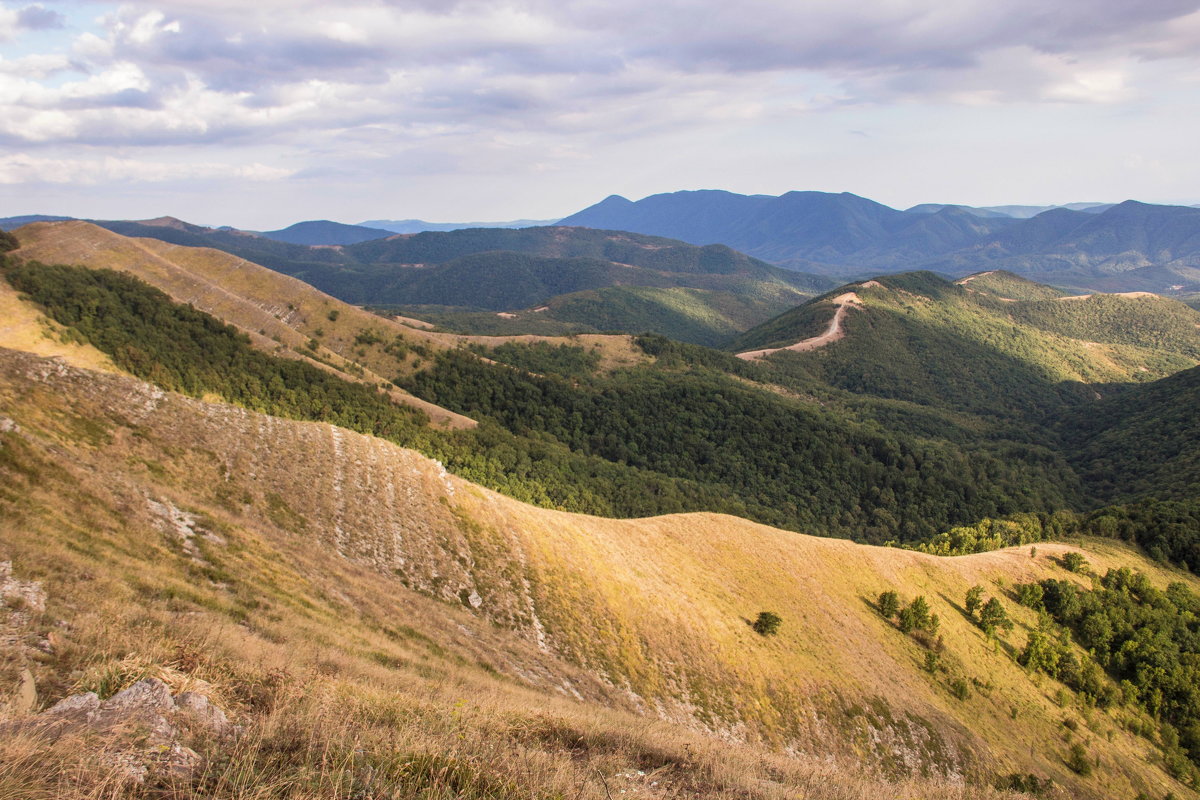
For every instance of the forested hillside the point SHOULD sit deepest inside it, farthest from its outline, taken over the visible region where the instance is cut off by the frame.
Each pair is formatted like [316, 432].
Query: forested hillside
[939, 407]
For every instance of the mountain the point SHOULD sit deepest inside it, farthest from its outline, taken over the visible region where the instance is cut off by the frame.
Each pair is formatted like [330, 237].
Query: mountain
[12, 223]
[933, 208]
[1120, 242]
[1129, 246]
[157, 537]
[182, 531]
[841, 234]
[1015, 212]
[420, 225]
[324, 232]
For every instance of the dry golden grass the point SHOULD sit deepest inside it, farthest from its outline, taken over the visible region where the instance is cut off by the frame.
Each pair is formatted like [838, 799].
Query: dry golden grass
[331, 618]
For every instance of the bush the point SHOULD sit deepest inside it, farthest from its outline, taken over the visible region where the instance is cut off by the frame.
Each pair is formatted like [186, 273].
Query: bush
[1078, 760]
[889, 604]
[974, 599]
[1074, 562]
[767, 623]
[960, 689]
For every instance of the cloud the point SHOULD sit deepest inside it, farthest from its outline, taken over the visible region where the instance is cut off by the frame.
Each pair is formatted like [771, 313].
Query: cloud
[39, 18]
[429, 86]
[21, 168]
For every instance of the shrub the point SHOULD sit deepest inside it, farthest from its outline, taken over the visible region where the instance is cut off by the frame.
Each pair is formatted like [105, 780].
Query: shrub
[1074, 562]
[1078, 761]
[889, 604]
[993, 618]
[333, 314]
[960, 689]
[974, 599]
[767, 623]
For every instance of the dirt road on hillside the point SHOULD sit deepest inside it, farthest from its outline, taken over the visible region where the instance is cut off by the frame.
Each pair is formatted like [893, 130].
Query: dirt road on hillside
[831, 334]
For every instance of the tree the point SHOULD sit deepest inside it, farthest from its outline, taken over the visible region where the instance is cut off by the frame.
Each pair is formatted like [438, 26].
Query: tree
[1030, 595]
[993, 617]
[889, 604]
[974, 599]
[767, 623]
[915, 616]
[1074, 562]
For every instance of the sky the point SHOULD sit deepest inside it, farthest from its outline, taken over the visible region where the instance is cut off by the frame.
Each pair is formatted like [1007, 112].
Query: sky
[259, 115]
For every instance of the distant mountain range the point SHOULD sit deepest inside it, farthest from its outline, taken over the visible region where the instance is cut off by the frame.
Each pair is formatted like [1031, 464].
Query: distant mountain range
[1124, 247]
[1129, 246]
[420, 225]
[1014, 212]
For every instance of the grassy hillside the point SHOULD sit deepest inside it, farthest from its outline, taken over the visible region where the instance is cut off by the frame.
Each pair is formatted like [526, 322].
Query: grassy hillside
[485, 648]
[920, 338]
[280, 315]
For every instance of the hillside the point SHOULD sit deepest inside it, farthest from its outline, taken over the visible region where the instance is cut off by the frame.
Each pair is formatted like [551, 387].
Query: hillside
[486, 648]
[1142, 440]
[699, 316]
[281, 315]
[919, 338]
[891, 435]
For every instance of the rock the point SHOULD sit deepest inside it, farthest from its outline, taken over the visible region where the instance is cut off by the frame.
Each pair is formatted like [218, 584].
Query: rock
[150, 695]
[179, 762]
[76, 705]
[143, 705]
[8, 426]
[200, 709]
[20, 593]
[136, 726]
[127, 767]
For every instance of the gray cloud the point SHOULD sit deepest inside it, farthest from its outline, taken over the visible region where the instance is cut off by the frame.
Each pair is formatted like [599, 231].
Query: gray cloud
[39, 18]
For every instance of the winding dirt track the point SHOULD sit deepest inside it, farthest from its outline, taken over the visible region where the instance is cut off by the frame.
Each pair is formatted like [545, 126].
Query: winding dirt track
[831, 334]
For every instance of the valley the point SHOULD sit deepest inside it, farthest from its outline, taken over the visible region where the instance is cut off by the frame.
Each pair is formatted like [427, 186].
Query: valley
[529, 565]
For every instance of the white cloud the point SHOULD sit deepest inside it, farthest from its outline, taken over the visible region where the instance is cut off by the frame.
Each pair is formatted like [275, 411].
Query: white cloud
[22, 168]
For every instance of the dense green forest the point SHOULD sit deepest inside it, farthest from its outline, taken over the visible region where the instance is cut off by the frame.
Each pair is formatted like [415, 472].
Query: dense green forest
[1147, 640]
[815, 468]
[1142, 440]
